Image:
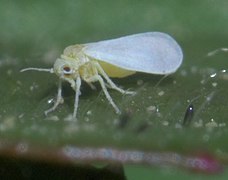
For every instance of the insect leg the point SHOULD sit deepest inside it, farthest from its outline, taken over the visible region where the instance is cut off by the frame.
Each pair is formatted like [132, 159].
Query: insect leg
[101, 81]
[77, 94]
[59, 99]
[92, 86]
[112, 84]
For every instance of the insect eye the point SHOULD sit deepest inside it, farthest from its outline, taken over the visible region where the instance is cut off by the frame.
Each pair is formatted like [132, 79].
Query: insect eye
[67, 70]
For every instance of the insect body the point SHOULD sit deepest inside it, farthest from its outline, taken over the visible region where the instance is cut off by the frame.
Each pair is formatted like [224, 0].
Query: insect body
[152, 52]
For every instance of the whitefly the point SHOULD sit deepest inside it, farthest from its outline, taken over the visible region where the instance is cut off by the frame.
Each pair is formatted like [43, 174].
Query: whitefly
[151, 52]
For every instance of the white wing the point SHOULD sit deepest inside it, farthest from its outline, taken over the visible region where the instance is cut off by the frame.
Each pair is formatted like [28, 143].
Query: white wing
[151, 52]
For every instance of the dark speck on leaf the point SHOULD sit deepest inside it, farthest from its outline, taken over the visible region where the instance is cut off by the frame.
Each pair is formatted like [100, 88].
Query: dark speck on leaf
[142, 127]
[124, 119]
[188, 115]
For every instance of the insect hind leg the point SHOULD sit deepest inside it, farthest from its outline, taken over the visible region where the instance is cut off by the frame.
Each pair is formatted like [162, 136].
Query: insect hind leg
[109, 98]
[110, 83]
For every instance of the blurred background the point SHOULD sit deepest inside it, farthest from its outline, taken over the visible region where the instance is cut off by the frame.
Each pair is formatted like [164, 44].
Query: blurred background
[46, 25]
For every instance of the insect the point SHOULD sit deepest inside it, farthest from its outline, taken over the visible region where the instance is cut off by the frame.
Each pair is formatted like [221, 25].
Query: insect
[151, 52]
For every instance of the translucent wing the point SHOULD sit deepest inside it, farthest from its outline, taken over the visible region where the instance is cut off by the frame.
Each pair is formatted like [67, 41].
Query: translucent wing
[151, 52]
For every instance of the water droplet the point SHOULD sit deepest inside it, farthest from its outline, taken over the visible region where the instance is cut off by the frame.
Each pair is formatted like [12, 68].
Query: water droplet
[51, 101]
[214, 84]
[213, 75]
[161, 93]
[151, 109]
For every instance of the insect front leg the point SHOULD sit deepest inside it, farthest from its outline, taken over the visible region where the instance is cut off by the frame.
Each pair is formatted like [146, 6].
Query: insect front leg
[59, 99]
[111, 84]
[77, 94]
[101, 81]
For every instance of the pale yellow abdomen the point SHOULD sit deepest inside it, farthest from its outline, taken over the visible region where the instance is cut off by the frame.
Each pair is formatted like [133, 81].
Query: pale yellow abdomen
[114, 71]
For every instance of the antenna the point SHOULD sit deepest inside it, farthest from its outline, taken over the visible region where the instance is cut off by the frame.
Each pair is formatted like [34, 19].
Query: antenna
[37, 69]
